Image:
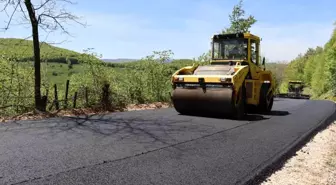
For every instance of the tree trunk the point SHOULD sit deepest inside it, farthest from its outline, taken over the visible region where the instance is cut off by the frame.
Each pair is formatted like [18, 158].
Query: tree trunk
[39, 104]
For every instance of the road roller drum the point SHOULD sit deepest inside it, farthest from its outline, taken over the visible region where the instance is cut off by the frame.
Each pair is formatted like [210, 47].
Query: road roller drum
[216, 100]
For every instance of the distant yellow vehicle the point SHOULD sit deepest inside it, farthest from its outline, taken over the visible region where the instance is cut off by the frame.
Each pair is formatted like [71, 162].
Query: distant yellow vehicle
[295, 90]
[232, 84]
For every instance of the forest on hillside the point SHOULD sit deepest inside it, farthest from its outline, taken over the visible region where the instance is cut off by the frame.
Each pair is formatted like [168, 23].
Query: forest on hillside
[25, 78]
[317, 69]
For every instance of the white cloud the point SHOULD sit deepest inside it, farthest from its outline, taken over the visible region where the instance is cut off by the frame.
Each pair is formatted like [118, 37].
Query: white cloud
[286, 41]
[132, 36]
[138, 37]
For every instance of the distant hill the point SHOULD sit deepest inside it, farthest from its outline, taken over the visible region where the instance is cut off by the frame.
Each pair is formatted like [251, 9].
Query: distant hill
[22, 50]
[119, 60]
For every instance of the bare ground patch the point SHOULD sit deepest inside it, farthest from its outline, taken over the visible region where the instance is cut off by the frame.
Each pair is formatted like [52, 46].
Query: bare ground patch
[314, 164]
[84, 111]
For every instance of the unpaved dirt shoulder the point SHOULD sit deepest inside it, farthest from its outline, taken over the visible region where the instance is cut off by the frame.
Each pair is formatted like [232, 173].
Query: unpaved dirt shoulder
[314, 164]
[84, 111]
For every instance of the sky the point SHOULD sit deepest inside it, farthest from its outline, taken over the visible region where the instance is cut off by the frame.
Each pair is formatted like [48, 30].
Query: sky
[136, 28]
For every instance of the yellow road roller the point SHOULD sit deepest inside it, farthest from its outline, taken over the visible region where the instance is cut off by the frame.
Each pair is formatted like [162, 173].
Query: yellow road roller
[234, 83]
[295, 90]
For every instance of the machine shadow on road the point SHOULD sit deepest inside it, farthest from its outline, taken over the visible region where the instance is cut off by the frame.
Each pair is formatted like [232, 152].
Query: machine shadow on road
[278, 100]
[142, 129]
[270, 114]
[247, 117]
[278, 113]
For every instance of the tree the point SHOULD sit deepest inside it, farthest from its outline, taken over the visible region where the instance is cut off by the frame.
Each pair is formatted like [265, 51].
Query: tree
[237, 20]
[330, 66]
[47, 16]
[237, 23]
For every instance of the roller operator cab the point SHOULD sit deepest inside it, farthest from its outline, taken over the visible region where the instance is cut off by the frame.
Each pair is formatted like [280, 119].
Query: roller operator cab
[234, 83]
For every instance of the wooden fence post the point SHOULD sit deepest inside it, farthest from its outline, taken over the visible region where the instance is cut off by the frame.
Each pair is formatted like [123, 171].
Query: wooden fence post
[105, 101]
[66, 94]
[44, 100]
[86, 96]
[56, 97]
[74, 100]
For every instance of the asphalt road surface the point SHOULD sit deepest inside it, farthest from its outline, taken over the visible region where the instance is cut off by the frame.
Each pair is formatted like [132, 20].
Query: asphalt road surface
[152, 146]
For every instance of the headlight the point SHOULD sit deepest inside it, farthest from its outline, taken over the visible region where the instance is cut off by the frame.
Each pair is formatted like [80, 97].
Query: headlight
[180, 79]
[223, 79]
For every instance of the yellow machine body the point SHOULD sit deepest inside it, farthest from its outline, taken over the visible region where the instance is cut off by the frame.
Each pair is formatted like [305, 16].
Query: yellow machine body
[234, 82]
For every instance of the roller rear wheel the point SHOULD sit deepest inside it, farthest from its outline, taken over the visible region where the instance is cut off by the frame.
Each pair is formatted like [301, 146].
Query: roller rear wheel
[239, 105]
[266, 102]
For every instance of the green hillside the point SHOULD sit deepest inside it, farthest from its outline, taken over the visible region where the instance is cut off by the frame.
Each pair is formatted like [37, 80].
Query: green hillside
[317, 68]
[145, 80]
[22, 50]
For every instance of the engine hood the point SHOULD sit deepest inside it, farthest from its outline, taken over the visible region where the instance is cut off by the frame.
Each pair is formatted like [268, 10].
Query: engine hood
[214, 70]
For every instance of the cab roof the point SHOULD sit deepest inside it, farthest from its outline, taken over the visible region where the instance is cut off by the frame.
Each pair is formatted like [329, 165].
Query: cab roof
[235, 35]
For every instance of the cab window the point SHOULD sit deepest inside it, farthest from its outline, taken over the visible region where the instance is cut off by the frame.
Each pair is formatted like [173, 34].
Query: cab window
[254, 51]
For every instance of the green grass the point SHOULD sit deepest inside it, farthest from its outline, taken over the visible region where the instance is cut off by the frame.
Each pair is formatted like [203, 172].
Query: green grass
[56, 73]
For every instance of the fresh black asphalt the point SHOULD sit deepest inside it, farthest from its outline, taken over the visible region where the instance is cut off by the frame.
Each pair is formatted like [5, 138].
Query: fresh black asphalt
[152, 146]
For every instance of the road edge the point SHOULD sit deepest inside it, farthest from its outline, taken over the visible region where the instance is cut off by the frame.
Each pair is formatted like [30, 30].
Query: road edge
[278, 161]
